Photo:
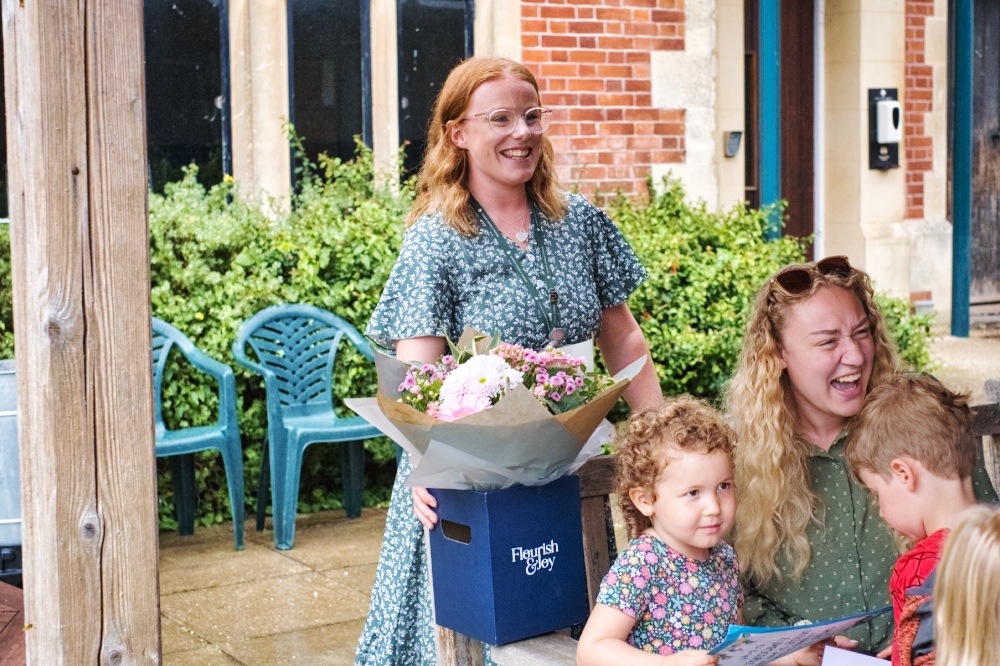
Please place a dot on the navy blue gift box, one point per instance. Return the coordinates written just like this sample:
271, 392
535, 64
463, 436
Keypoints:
508, 564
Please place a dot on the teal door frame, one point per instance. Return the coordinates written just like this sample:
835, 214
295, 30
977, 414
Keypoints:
769, 63
961, 176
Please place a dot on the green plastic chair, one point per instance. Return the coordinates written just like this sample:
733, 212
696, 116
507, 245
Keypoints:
295, 348
182, 444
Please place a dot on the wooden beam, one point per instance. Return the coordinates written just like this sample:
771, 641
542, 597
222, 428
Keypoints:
75, 95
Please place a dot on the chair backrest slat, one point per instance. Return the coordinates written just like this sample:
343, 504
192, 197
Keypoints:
299, 344
162, 344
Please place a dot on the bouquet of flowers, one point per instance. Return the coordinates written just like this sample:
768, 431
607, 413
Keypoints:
490, 415
465, 382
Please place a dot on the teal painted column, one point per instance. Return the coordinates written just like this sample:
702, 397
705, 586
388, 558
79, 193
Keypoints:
770, 109
961, 202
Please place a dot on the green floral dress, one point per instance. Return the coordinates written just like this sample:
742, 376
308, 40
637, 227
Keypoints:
441, 283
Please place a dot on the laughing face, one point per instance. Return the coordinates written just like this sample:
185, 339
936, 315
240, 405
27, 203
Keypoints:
497, 162
826, 348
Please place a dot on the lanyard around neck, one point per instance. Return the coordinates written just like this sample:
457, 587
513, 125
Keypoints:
549, 312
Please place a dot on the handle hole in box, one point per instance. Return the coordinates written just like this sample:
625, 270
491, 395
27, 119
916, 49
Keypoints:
456, 531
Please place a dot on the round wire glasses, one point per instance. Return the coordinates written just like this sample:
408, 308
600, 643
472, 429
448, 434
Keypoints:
503, 121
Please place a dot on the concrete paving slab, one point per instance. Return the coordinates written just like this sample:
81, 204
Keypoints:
176, 637
229, 614
211, 563
360, 578
209, 656
339, 544
329, 645
202, 535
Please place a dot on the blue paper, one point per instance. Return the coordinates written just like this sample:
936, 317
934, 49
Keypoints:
755, 646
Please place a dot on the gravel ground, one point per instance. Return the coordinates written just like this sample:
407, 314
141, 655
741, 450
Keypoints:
966, 363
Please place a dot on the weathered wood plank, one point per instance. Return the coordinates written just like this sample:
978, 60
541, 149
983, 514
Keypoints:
79, 237
595, 513
456, 649
541, 651
986, 424
119, 331
985, 419
597, 476
45, 99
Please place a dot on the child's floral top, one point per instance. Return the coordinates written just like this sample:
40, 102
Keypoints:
679, 603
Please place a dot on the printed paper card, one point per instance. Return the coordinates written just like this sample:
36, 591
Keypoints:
836, 657
756, 646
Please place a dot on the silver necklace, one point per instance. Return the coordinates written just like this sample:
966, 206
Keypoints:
522, 232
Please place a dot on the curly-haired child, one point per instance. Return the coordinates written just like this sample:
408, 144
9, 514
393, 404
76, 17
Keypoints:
673, 592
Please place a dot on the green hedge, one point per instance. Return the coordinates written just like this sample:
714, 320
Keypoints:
705, 269
217, 259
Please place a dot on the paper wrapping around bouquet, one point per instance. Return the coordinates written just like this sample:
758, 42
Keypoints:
516, 441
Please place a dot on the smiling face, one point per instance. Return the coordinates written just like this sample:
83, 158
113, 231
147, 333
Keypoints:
694, 504
495, 162
826, 348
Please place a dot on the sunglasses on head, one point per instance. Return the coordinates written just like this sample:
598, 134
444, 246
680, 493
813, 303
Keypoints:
796, 280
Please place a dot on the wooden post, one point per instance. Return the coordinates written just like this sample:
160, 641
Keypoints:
79, 234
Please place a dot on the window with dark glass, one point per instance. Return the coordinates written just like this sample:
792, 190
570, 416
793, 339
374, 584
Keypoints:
187, 94
433, 36
328, 55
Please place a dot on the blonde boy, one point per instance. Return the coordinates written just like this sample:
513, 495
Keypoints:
912, 447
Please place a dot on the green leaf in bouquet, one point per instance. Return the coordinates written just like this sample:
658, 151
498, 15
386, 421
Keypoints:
567, 403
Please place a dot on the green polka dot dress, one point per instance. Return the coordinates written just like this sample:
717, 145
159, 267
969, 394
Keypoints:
441, 283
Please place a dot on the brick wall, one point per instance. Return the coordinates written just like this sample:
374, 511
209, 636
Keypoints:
918, 101
592, 61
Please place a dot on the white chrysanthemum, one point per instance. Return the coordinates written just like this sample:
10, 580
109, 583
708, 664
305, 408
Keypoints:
484, 375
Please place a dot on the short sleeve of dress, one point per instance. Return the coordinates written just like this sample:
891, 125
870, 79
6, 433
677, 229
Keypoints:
624, 585
617, 269
732, 565
418, 298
